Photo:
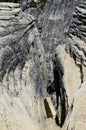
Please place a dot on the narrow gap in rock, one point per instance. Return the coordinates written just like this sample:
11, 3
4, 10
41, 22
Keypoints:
81, 71
61, 96
57, 89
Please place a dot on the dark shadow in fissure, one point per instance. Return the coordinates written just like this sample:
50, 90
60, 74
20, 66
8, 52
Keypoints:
58, 87
60, 91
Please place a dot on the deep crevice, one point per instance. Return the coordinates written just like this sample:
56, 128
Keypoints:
61, 95
57, 87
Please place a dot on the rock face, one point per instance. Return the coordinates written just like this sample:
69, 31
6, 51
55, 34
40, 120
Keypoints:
53, 23
30, 71
57, 16
72, 56
22, 70
77, 33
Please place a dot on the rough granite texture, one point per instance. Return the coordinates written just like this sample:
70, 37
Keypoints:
73, 58
27, 48
53, 24
22, 70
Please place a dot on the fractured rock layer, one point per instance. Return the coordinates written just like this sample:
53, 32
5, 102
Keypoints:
74, 60
25, 69
22, 70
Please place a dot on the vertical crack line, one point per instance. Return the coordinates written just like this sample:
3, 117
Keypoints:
61, 96
81, 72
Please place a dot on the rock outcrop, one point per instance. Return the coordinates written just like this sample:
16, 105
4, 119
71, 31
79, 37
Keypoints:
73, 58
53, 23
77, 34
22, 70
31, 72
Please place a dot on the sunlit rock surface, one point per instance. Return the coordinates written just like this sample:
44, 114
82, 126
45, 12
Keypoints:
27, 66
22, 71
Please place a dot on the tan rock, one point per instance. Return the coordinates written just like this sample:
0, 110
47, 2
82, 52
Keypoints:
71, 73
76, 91
77, 118
51, 125
50, 110
80, 125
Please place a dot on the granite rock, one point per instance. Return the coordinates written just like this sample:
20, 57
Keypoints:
30, 71
22, 71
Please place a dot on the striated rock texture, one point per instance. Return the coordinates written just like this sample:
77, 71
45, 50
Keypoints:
22, 71
73, 58
56, 18
30, 71
76, 48
53, 23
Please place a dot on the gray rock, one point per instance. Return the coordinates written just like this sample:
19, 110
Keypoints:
56, 18
73, 59
53, 23
28, 67
22, 69
9, 5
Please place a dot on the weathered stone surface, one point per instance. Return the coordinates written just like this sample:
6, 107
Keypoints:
77, 118
51, 125
57, 29
22, 71
27, 67
53, 23
69, 78
73, 58
56, 19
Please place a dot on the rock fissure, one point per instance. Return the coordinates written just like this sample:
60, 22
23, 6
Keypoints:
61, 95
58, 93
37, 91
